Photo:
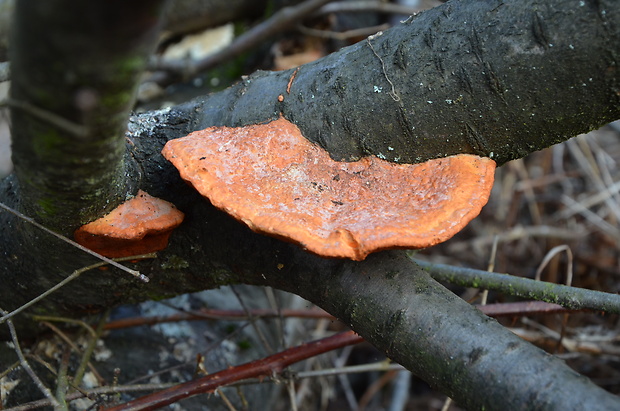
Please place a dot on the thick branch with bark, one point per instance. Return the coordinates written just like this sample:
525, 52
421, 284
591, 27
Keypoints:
438, 336
497, 79
75, 70
504, 96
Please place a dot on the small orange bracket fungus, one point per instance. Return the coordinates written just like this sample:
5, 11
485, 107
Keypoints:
138, 226
277, 182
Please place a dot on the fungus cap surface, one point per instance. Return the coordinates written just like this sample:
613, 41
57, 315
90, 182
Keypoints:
277, 182
138, 226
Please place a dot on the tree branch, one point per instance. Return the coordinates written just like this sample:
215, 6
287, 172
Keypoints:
397, 307
569, 297
487, 68
79, 63
280, 21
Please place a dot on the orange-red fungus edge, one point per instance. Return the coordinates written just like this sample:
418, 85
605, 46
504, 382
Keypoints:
277, 182
138, 226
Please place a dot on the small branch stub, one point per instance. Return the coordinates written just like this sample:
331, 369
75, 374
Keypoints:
279, 183
139, 226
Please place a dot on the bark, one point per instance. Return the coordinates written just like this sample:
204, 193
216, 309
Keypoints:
75, 72
418, 323
493, 93
6, 9
498, 79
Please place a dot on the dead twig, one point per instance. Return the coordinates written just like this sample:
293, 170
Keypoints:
214, 314
107, 260
569, 297
72, 277
26, 366
280, 21
265, 367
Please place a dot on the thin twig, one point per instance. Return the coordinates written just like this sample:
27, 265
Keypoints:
290, 388
253, 322
73, 346
581, 152
490, 268
261, 367
552, 253
492, 310
24, 363
519, 233
9, 369
522, 308
392, 93
94, 391
62, 384
274, 304
339, 362
90, 348
226, 401
53, 119
76, 245
62, 336
374, 388
128, 388
67, 280
569, 280
590, 201
400, 393
215, 314
365, 6
342, 35
384, 365
593, 218
280, 21
446, 404
67, 320
570, 297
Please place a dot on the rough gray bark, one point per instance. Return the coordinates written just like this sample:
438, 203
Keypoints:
80, 63
499, 79
438, 336
6, 9
390, 301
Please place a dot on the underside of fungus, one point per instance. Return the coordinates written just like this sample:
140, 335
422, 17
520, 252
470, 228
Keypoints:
139, 226
277, 182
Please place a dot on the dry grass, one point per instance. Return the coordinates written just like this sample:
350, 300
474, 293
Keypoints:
564, 197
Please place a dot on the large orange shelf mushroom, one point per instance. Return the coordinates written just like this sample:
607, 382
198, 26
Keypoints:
277, 182
138, 226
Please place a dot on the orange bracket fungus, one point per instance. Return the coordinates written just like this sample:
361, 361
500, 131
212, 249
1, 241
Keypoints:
138, 226
277, 182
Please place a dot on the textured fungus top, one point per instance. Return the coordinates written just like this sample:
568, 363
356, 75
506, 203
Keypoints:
277, 182
138, 226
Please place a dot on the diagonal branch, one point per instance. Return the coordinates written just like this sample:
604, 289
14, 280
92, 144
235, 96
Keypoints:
569, 297
265, 367
397, 307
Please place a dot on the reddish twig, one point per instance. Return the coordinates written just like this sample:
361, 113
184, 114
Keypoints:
492, 310
212, 314
265, 367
